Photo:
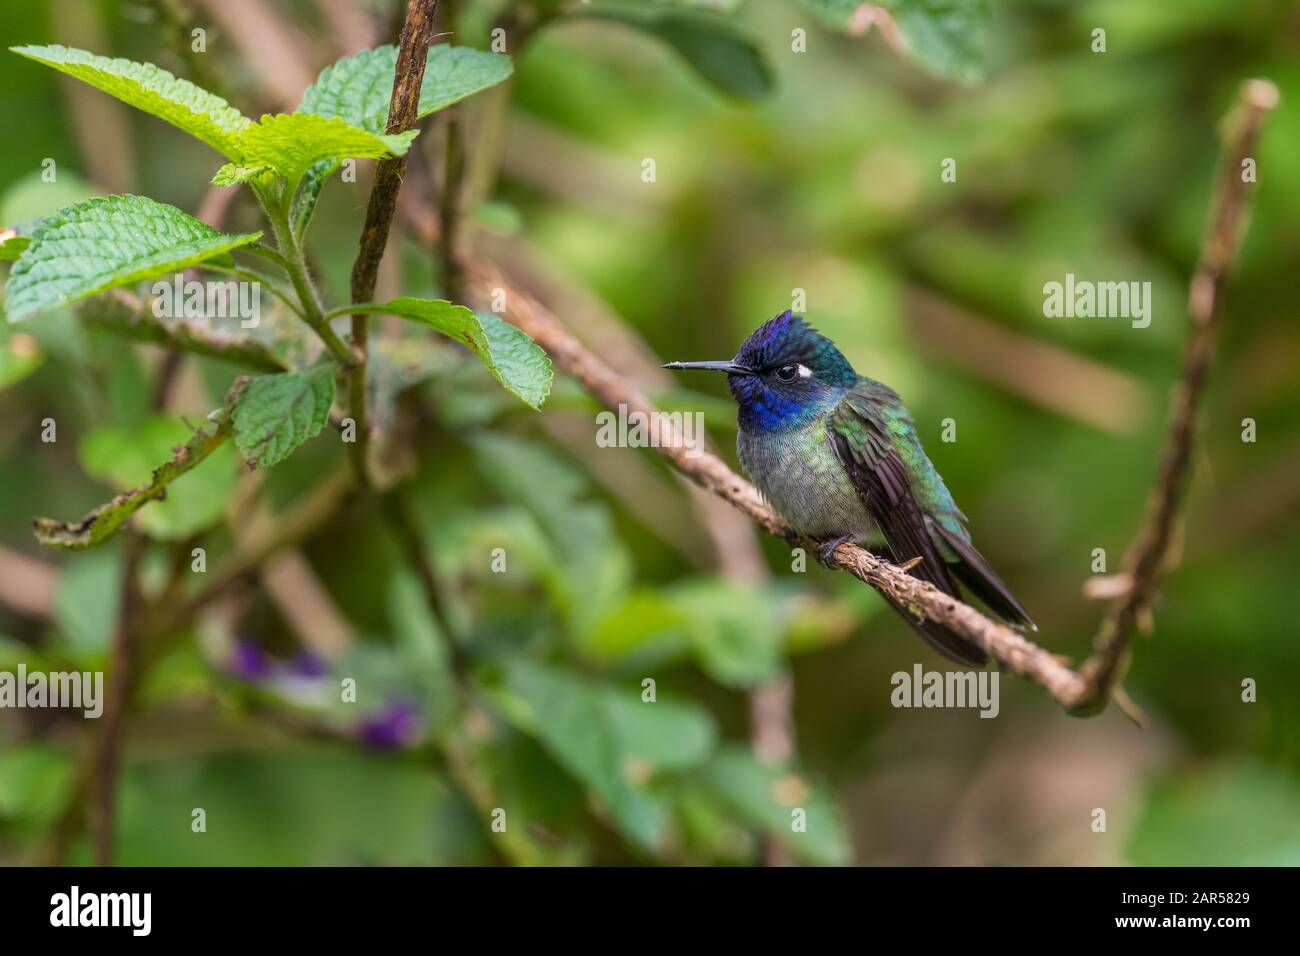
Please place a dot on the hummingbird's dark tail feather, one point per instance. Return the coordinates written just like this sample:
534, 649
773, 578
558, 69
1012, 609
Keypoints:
974, 572
949, 643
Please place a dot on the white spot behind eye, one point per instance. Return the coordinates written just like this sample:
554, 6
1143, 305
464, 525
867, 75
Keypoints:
804, 371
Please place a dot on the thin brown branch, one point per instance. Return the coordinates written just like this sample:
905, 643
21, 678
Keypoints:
1147, 556
122, 313
121, 673
412, 55
1084, 691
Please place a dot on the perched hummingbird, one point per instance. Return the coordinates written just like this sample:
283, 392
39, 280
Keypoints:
837, 455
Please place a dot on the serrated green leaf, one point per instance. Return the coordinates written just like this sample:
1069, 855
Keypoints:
313, 181
609, 738
767, 797
113, 241
275, 414
152, 89
358, 89
125, 457
720, 53
946, 37
232, 174
516, 360
289, 143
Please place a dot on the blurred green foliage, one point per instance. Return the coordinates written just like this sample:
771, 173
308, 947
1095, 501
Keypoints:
776, 170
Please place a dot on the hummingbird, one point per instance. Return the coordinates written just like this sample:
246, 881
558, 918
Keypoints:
837, 455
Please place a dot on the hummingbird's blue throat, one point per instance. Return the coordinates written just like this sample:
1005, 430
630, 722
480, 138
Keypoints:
765, 409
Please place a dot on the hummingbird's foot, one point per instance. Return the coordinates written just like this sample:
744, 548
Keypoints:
826, 550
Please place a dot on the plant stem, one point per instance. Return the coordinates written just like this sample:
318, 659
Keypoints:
289, 255
403, 107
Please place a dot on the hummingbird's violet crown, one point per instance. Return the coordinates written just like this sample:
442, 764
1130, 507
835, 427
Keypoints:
787, 338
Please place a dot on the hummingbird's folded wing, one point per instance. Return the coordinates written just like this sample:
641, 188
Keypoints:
860, 436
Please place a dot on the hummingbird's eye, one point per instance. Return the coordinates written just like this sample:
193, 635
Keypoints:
787, 373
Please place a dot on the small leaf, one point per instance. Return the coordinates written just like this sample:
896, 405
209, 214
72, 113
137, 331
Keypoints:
291, 142
97, 245
358, 89
609, 738
768, 797
152, 89
723, 56
735, 630
516, 360
275, 414
232, 174
946, 37
12, 246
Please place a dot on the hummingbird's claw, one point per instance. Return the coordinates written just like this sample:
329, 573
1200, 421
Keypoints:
826, 550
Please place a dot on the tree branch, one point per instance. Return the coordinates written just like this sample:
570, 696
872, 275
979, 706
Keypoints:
1085, 691
1146, 557
412, 55
122, 313
103, 522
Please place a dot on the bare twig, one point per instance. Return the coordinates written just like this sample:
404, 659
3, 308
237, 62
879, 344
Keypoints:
412, 55
121, 672
103, 522
453, 174
1146, 557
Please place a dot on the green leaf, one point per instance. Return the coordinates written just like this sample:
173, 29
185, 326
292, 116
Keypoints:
275, 414
946, 37
232, 174
117, 240
358, 89
87, 601
767, 797
34, 781
608, 738
13, 246
30, 199
154, 90
516, 360
102, 523
722, 55
291, 142
735, 630
126, 457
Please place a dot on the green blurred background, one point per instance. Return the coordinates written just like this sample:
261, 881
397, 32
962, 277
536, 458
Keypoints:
1068, 160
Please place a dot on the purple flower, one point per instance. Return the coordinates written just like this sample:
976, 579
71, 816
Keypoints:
248, 662
309, 665
395, 726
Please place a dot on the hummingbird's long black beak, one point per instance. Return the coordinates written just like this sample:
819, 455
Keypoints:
728, 366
